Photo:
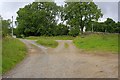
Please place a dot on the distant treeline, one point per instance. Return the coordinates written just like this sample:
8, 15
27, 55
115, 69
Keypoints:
109, 26
42, 18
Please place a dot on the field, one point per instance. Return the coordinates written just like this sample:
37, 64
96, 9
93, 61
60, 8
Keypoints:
98, 42
13, 52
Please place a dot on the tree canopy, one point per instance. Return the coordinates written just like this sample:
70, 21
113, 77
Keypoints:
38, 18
109, 26
79, 14
42, 18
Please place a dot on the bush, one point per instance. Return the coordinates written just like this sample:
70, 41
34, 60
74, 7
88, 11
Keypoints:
74, 31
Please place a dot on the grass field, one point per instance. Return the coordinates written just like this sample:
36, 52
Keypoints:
98, 42
52, 37
47, 42
13, 51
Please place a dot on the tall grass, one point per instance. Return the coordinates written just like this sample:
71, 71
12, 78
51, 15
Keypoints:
98, 42
13, 51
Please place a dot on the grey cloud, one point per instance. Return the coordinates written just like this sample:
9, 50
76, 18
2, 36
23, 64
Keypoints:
119, 11
109, 9
8, 9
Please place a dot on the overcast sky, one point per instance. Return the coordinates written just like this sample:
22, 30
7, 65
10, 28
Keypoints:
9, 9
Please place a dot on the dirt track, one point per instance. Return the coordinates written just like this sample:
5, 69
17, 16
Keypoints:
64, 62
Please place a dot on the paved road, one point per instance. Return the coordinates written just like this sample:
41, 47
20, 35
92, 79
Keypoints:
62, 62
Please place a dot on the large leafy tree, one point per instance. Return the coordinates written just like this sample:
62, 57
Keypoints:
38, 18
80, 14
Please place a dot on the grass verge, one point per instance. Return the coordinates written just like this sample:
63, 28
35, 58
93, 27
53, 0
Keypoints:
47, 42
51, 37
0, 57
98, 42
66, 45
13, 51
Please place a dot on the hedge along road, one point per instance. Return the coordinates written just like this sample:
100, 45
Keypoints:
61, 62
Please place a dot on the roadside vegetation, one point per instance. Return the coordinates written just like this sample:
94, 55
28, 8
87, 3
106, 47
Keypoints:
0, 56
47, 42
51, 37
13, 51
98, 42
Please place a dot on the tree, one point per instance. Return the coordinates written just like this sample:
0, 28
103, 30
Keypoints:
61, 29
99, 27
74, 31
117, 29
111, 25
38, 18
79, 14
5, 27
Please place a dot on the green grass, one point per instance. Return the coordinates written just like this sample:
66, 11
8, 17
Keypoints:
13, 51
98, 42
47, 42
93, 42
32, 38
0, 56
66, 45
51, 37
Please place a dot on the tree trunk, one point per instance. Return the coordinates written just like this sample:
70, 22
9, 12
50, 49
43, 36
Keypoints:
81, 26
81, 30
